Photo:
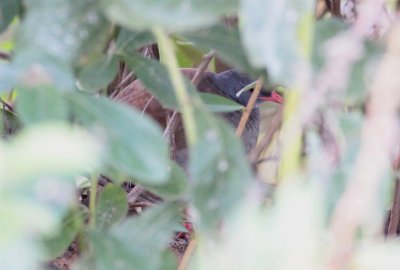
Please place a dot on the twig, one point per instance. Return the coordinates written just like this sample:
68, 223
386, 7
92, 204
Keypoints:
395, 211
321, 10
147, 104
125, 80
184, 100
141, 204
134, 194
92, 201
202, 67
267, 159
171, 125
6, 105
249, 108
5, 56
334, 7
186, 256
266, 140
5, 121
121, 86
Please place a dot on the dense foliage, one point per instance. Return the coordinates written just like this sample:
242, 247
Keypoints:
313, 194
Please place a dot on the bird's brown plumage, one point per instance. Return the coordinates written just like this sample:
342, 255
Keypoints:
136, 95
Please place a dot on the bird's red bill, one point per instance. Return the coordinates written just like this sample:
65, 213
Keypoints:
275, 97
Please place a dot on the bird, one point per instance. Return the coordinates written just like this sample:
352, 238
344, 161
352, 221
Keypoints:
227, 84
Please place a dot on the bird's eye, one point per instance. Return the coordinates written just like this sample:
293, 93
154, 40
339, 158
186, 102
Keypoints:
251, 90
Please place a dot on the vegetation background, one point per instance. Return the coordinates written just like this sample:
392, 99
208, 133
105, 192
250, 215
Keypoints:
318, 192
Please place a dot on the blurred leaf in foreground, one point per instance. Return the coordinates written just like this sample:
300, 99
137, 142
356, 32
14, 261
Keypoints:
9, 123
138, 242
37, 187
98, 74
286, 235
170, 14
226, 42
134, 142
41, 104
8, 9
53, 37
272, 32
56, 244
112, 206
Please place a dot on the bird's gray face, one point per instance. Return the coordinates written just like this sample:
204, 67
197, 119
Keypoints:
230, 82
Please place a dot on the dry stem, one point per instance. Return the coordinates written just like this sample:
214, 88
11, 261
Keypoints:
249, 108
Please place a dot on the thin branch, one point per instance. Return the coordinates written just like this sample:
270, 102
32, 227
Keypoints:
5, 56
141, 204
6, 105
249, 108
134, 194
321, 10
184, 100
125, 80
171, 125
267, 139
147, 104
267, 159
92, 201
186, 256
122, 85
334, 7
202, 67
395, 211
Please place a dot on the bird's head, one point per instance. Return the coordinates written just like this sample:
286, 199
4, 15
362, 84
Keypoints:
230, 82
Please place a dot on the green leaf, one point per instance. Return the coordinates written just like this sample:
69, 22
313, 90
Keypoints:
175, 186
50, 149
128, 41
219, 104
72, 224
155, 77
158, 222
54, 35
37, 188
9, 123
41, 104
135, 142
272, 31
98, 74
173, 15
8, 10
137, 243
188, 56
266, 231
219, 170
226, 42
112, 206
